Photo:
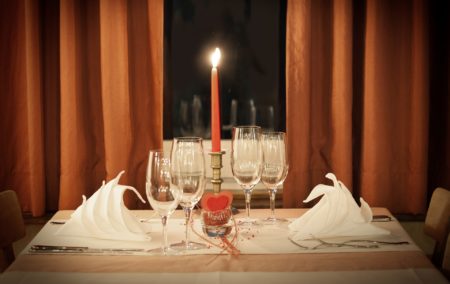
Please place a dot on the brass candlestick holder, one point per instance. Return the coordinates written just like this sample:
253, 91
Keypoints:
216, 165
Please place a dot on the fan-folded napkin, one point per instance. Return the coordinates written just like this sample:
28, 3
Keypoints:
335, 215
105, 216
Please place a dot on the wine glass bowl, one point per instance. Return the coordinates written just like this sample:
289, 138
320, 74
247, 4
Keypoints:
162, 195
275, 167
246, 161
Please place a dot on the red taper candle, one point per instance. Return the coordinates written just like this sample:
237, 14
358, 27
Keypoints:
215, 102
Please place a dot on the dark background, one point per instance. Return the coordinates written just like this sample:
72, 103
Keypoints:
251, 36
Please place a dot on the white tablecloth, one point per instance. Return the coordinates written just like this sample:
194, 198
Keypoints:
266, 257
266, 239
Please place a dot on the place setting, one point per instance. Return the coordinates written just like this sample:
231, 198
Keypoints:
336, 222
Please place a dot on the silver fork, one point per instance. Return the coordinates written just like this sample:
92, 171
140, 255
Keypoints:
324, 244
344, 244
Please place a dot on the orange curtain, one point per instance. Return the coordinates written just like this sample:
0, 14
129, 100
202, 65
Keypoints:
366, 98
357, 100
21, 123
100, 110
318, 95
395, 108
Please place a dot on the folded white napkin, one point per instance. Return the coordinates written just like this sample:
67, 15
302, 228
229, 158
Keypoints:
104, 215
335, 215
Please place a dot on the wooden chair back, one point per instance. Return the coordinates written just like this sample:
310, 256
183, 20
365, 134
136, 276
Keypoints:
12, 227
437, 222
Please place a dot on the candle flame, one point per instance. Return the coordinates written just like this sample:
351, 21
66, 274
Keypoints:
215, 57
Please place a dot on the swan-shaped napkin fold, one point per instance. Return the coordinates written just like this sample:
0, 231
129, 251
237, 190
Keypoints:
105, 216
335, 215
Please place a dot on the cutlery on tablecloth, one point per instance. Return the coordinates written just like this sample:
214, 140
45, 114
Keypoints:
76, 249
148, 220
350, 243
344, 244
322, 244
378, 242
382, 218
57, 222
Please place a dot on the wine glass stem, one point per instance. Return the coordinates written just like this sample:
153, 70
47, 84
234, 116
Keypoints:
164, 231
248, 198
188, 216
272, 193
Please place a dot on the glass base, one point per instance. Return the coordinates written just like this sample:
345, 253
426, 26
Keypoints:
190, 246
160, 251
217, 231
249, 222
274, 221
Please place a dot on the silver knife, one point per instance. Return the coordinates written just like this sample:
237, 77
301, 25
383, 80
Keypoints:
76, 249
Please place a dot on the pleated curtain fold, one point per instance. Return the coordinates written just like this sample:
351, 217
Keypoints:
99, 110
357, 100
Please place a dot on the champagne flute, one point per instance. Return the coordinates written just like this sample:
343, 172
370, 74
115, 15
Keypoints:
161, 194
188, 173
246, 162
275, 167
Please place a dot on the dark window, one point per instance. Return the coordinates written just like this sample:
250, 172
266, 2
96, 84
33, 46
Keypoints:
251, 36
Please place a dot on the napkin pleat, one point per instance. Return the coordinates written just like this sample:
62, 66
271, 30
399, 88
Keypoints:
366, 213
105, 216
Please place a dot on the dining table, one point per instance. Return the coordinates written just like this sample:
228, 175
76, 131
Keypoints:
264, 253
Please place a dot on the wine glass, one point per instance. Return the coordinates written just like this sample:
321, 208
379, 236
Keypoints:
246, 162
188, 173
275, 167
161, 194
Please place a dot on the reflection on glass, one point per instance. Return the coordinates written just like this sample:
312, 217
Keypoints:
162, 195
246, 162
275, 167
188, 173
